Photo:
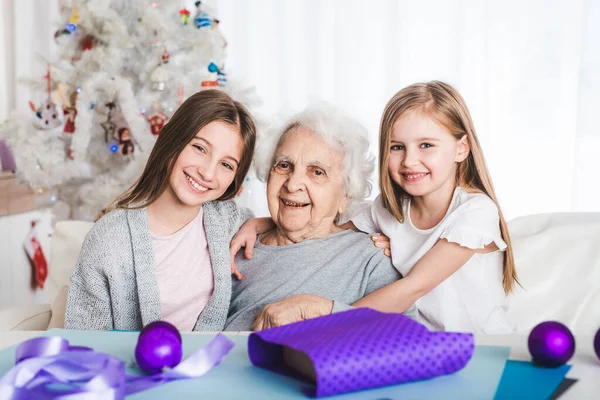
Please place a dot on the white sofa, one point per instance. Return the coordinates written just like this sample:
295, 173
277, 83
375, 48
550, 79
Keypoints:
557, 258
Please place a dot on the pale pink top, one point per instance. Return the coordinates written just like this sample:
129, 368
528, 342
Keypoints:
184, 274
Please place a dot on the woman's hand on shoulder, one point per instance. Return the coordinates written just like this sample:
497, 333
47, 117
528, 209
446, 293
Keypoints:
292, 309
383, 242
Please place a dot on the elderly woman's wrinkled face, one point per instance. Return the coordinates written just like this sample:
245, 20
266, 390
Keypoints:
305, 190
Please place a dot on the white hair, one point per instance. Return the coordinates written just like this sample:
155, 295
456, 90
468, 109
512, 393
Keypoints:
339, 131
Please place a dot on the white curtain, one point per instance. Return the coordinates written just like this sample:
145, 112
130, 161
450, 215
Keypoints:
26, 39
529, 71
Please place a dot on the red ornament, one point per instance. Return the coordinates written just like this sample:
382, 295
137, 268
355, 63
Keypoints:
36, 256
70, 114
157, 121
87, 43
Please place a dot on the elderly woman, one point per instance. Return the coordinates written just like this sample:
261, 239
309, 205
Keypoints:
316, 168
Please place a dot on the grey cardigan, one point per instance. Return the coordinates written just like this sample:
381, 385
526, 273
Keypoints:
114, 285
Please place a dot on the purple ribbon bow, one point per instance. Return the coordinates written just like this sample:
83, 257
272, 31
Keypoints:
49, 368
360, 349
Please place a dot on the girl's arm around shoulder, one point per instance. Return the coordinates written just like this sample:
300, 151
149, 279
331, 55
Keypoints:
433, 268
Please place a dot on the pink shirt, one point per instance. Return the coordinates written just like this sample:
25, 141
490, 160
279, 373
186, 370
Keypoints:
184, 274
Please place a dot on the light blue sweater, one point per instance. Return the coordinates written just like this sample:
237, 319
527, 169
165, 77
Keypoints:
114, 285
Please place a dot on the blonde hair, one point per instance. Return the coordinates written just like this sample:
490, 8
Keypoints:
445, 105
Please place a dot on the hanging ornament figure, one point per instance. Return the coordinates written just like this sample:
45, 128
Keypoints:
202, 19
70, 114
48, 113
123, 136
159, 77
184, 13
157, 121
165, 56
74, 18
109, 124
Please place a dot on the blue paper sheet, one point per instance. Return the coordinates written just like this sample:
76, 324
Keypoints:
236, 378
523, 380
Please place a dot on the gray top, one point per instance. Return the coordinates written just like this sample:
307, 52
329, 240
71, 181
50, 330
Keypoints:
114, 286
343, 267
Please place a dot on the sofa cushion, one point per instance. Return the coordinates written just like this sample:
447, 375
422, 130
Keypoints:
557, 257
33, 317
67, 240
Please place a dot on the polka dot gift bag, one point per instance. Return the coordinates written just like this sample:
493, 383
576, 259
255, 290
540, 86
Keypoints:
359, 349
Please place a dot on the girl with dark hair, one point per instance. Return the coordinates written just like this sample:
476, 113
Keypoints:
162, 252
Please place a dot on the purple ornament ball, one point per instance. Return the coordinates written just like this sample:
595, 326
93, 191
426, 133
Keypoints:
158, 347
551, 344
162, 325
597, 343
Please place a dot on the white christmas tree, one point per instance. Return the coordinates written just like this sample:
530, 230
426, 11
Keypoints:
122, 68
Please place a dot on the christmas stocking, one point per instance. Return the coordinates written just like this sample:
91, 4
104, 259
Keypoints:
36, 256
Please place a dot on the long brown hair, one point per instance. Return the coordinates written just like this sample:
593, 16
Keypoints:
195, 113
444, 104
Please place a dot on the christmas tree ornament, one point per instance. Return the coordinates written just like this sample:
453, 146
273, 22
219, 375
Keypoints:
87, 43
165, 56
109, 125
184, 13
222, 76
212, 67
48, 113
61, 32
157, 121
597, 343
551, 344
124, 140
68, 104
74, 18
158, 347
59, 95
36, 256
202, 19
70, 112
211, 80
159, 77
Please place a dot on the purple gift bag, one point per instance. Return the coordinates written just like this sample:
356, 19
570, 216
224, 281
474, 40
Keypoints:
360, 349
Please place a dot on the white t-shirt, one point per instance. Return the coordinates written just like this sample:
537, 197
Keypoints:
470, 300
184, 274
